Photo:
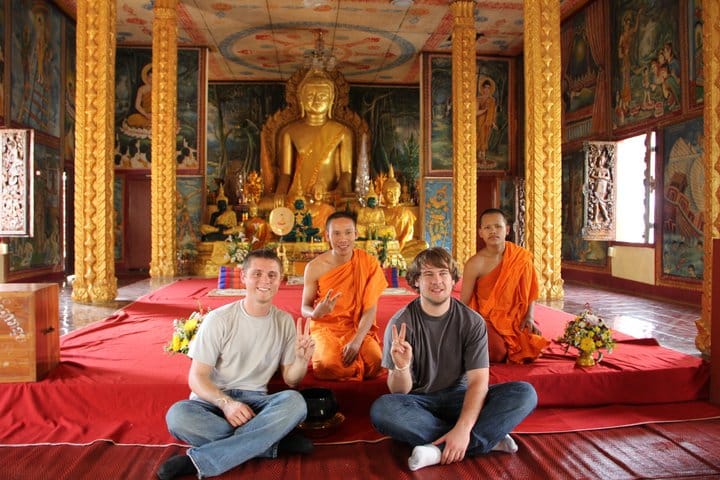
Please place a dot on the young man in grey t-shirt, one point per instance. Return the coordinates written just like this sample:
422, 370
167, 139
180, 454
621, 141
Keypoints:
440, 400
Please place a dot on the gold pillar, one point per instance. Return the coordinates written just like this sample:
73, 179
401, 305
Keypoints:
95, 280
543, 164
164, 119
464, 106
711, 155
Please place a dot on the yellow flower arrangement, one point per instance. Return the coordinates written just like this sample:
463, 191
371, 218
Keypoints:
184, 330
588, 333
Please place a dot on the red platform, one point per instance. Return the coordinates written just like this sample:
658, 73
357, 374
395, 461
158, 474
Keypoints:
115, 382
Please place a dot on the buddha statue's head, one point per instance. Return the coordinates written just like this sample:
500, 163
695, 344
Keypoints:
391, 189
372, 201
316, 93
299, 203
221, 199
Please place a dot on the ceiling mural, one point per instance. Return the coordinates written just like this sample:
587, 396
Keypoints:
372, 41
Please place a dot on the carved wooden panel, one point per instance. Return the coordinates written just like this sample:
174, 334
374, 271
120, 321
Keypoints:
600, 191
16, 183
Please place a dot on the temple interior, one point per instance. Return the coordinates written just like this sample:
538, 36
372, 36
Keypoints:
144, 142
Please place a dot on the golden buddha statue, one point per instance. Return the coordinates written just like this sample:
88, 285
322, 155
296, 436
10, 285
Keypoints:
400, 217
223, 222
319, 209
257, 229
315, 140
315, 149
371, 222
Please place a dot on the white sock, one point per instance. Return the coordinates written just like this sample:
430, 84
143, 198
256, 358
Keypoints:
424, 456
506, 444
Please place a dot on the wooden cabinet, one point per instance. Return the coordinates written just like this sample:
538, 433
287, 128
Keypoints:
29, 336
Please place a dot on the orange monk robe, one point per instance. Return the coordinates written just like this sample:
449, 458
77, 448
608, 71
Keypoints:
503, 296
361, 281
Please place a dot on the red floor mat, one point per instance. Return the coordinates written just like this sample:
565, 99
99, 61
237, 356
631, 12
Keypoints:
115, 381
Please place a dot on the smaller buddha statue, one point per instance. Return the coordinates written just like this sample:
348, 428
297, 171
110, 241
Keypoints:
371, 222
223, 222
400, 217
257, 229
319, 209
303, 230
405, 198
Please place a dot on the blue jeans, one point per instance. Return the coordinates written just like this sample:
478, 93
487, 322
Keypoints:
217, 446
419, 419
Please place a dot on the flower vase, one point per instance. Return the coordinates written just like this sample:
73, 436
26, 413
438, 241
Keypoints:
585, 359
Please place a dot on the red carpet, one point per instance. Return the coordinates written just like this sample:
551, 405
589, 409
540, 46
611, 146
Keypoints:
115, 382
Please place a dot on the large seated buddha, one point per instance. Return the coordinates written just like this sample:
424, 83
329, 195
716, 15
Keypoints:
316, 142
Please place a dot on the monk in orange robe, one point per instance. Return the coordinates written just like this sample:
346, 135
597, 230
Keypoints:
500, 283
342, 288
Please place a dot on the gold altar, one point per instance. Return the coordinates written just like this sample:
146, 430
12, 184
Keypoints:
213, 255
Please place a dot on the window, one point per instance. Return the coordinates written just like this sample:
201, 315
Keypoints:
635, 207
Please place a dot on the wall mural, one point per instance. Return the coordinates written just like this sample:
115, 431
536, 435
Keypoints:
3, 56
695, 56
580, 68
68, 143
683, 200
35, 73
119, 223
438, 195
189, 214
646, 66
393, 116
133, 103
574, 247
44, 248
236, 114
492, 116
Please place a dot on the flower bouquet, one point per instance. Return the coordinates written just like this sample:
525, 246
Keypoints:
184, 330
588, 333
237, 248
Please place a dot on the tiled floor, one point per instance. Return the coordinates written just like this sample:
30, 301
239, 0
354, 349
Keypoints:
672, 325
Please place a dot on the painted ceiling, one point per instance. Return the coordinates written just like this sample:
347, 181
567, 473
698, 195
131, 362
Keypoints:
373, 41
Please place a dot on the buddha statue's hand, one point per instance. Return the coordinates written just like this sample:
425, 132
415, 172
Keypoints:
279, 200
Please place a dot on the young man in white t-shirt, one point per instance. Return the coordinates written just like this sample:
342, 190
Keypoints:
230, 418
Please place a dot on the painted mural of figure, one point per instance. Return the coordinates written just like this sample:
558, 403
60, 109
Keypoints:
625, 46
138, 124
486, 115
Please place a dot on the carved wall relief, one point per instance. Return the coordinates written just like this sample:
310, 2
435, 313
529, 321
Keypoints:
600, 191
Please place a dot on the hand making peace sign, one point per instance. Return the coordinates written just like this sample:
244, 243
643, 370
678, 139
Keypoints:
400, 350
327, 304
304, 343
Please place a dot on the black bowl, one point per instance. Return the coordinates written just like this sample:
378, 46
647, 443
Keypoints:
321, 404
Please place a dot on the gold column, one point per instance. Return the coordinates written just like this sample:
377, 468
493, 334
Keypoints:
464, 138
543, 167
711, 154
164, 118
95, 280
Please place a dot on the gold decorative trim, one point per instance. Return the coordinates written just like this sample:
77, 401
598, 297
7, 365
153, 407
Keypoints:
464, 135
164, 120
711, 154
543, 167
95, 280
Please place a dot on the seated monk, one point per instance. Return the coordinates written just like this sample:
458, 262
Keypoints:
223, 222
401, 218
319, 209
500, 283
371, 222
315, 149
342, 288
257, 229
